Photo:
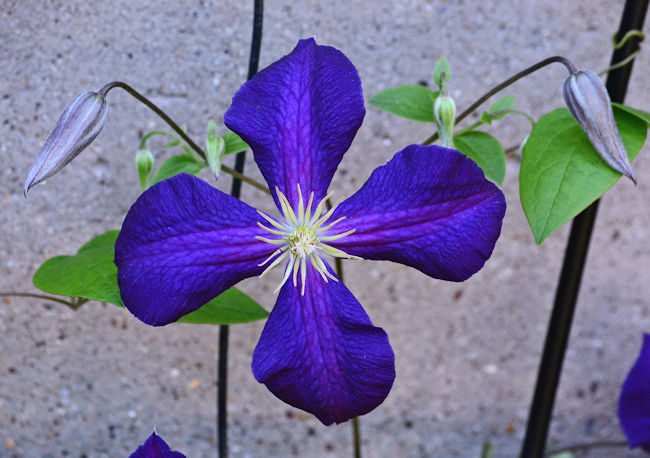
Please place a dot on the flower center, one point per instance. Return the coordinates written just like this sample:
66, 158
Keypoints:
302, 235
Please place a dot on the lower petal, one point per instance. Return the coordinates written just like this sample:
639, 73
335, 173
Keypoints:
183, 243
320, 352
430, 208
634, 403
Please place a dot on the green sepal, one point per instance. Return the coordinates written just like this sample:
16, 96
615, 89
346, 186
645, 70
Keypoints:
561, 173
411, 102
442, 73
91, 274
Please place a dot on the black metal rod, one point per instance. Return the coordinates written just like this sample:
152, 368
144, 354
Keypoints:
222, 370
575, 255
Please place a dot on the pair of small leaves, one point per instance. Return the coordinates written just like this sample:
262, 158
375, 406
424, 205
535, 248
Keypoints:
561, 173
190, 163
91, 274
416, 103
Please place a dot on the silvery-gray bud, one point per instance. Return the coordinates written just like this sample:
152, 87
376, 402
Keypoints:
588, 100
79, 124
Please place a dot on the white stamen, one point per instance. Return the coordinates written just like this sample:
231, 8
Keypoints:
301, 237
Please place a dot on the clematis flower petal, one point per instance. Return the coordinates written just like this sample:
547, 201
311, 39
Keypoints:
183, 243
430, 208
155, 447
320, 352
634, 403
299, 115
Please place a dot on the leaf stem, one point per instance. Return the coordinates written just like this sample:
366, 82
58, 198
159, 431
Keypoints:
74, 305
153, 107
499, 87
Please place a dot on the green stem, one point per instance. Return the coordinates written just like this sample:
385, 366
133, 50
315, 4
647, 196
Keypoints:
104, 91
73, 305
143, 142
585, 446
499, 87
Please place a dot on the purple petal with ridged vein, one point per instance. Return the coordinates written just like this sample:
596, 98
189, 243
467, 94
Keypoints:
155, 447
430, 208
634, 403
320, 352
183, 243
299, 115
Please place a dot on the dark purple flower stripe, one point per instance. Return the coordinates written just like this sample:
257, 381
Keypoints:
430, 208
634, 403
183, 243
320, 352
155, 447
299, 115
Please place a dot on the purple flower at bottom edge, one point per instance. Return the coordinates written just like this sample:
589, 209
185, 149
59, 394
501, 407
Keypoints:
155, 447
184, 242
634, 403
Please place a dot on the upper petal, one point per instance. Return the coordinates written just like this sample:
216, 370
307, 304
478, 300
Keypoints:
320, 352
430, 208
183, 243
299, 115
634, 403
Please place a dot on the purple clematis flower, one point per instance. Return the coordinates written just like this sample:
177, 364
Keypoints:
155, 447
184, 242
634, 403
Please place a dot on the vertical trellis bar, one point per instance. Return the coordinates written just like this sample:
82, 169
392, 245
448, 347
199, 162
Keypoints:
574, 260
222, 375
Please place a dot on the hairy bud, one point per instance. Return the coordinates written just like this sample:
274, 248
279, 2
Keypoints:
79, 124
444, 111
588, 101
144, 162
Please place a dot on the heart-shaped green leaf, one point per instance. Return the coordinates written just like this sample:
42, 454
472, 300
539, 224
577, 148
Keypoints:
410, 102
486, 151
91, 274
561, 173
181, 163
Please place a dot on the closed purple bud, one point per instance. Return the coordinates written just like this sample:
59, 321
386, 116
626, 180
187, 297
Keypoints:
79, 124
589, 103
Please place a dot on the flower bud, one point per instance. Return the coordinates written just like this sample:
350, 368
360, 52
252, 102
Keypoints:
444, 111
144, 161
215, 147
589, 103
79, 124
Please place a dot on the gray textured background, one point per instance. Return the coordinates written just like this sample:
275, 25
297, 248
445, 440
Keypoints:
95, 382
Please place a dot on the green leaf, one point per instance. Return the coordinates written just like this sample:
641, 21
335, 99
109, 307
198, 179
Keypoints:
638, 113
182, 163
230, 307
486, 151
503, 104
410, 102
234, 144
561, 173
91, 274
